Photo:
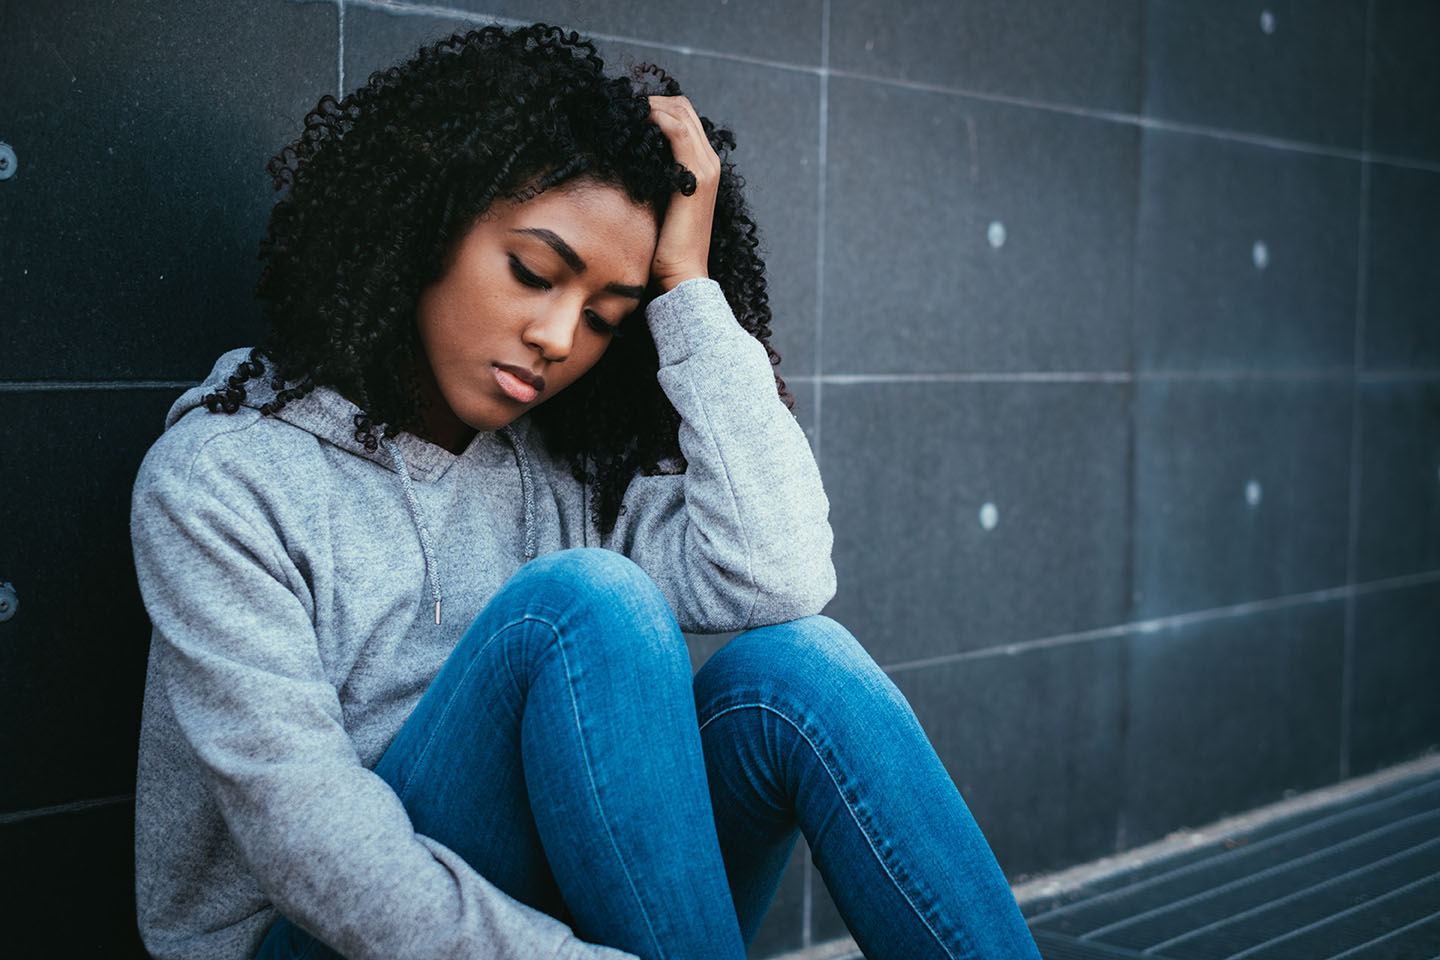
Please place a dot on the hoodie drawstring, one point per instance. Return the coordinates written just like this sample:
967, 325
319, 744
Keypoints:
527, 492
427, 547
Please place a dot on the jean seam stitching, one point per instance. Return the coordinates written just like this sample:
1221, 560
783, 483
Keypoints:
442, 720
920, 914
594, 791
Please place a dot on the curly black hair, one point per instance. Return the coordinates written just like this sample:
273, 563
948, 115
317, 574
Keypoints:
381, 185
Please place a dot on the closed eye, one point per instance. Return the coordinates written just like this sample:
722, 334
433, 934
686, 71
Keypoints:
526, 276
599, 324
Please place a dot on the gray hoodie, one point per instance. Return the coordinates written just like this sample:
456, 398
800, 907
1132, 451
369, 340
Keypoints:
293, 581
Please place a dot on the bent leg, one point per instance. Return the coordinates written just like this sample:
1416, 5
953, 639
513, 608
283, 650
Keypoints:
802, 729
558, 752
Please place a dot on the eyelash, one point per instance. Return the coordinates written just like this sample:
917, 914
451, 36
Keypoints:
525, 276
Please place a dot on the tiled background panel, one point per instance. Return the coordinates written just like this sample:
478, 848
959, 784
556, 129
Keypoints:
1395, 714
1030, 740
72, 659
773, 112
909, 468
1086, 53
1241, 491
69, 885
1214, 64
378, 39
1230, 714
1399, 523
1402, 268
1202, 298
1405, 79
141, 190
913, 281
786, 32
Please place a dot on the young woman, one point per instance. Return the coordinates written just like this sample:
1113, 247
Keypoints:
418, 567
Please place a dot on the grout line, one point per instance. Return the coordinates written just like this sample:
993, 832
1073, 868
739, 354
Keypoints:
470, 16
404, 7
1357, 472
1323, 374
1120, 823
807, 901
22, 386
1158, 624
849, 379
821, 171
340, 58
18, 816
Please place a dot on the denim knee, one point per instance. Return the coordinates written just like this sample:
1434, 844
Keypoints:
810, 662
603, 600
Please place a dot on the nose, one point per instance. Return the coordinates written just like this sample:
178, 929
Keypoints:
553, 333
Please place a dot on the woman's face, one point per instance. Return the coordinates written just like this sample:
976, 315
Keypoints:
527, 303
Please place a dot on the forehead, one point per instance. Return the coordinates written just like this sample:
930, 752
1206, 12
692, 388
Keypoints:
585, 209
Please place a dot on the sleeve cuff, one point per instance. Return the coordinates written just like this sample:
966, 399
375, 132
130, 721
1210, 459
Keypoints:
690, 317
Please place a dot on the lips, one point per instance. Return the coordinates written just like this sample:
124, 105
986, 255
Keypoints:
517, 383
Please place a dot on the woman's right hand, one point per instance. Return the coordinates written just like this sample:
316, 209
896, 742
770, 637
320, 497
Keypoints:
683, 250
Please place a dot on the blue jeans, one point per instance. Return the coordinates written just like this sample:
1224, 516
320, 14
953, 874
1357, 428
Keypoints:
566, 752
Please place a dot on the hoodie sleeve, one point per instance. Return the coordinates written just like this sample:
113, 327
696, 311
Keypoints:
742, 537
236, 656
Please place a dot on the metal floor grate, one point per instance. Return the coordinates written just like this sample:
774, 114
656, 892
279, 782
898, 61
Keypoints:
1358, 880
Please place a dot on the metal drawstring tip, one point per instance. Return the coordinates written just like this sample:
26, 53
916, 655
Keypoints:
437, 613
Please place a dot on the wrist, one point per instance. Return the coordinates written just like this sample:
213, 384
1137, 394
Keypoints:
671, 281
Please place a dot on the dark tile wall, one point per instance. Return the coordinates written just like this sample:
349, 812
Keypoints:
1114, 324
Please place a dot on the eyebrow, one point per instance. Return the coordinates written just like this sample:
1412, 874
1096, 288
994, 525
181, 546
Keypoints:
572, 259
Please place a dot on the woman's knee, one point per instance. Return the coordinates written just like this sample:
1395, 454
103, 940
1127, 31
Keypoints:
813, 660
598, 601
590, 575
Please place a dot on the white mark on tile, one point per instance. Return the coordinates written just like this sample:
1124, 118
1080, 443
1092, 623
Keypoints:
1260, 255
989, 516
869, 44
995, 233
1253, 493
1267, 22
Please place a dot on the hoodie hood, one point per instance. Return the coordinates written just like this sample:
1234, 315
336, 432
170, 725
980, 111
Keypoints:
330, 417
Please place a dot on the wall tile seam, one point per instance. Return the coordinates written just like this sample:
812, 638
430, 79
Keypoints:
1398, 375
822, 156
1146, 122
340, 55
1120, 376
821, 186
479, 18
824, 69
1357, 420
1157, 625
51, 386
60, 809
